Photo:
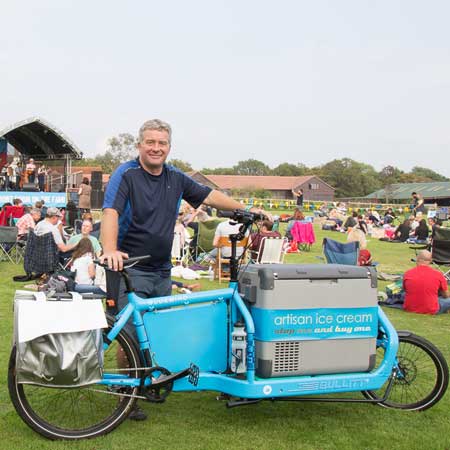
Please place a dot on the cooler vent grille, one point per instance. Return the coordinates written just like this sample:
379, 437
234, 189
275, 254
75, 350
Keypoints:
287, 357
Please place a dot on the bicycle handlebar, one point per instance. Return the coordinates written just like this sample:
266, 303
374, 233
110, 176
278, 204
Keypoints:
126, 262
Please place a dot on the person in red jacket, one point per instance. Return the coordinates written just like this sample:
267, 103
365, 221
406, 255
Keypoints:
426, 289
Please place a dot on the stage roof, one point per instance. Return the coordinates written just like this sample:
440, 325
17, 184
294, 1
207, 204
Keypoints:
36, 138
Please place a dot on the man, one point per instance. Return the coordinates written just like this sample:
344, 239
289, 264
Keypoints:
224, 229
423, 285
27, 222
417, 203
49, 225
86, 229
299, 195
30, 169
140, 210
256, 238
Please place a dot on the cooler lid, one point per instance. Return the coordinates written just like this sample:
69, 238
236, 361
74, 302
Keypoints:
269, 273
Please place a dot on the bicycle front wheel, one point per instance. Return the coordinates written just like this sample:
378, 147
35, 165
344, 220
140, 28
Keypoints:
78, 413
422, 378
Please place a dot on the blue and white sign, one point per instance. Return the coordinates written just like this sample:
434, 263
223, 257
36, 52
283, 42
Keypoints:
316, 323
58, 199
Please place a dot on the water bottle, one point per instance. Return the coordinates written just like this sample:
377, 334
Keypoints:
239, 348
211, 273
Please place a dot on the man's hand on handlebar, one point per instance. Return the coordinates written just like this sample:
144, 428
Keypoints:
114, 259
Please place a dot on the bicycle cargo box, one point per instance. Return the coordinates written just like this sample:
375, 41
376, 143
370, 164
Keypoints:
312, 319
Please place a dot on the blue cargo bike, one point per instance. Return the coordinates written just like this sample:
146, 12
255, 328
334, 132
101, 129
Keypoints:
278, 332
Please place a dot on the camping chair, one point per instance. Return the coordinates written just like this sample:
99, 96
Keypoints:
205, 237
440, 250
222, 265
271, 250
41, 254
9, 247
341, 253
303, 234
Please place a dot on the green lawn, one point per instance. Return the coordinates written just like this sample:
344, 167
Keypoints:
198, 421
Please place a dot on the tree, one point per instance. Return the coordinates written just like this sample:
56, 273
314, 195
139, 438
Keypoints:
218, 171
182, 165
122, 147
428, 174
350, 178
290, 170
389, 175
251, 167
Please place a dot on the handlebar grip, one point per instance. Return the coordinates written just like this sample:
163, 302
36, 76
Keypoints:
126, 261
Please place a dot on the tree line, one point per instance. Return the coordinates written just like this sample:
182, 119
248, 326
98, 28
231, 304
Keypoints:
350, 178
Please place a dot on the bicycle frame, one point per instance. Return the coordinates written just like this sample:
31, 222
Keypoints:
251, 387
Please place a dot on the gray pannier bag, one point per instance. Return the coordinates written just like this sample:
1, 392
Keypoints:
59, 343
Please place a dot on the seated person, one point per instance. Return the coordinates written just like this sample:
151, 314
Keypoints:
434, 223
374, 217
401, 233
420, 233
86, 229
298, 216
225, 228
83, 266
351, 221
389, 216
362, 225
357, 235
256, 238
27, 222
426, 289
49, 225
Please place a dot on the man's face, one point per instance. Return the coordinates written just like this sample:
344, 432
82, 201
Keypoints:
86, 227
36, 216
153, 150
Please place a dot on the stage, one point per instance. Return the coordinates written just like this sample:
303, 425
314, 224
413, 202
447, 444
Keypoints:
58, 199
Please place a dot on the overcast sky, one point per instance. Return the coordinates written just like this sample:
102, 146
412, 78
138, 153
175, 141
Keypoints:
287, 81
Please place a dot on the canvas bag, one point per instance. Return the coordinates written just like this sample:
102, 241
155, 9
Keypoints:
58, 343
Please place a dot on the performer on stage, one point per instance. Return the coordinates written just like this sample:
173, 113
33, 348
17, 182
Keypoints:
41, 175
31, 170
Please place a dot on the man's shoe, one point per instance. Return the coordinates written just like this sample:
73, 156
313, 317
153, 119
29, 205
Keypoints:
137, 414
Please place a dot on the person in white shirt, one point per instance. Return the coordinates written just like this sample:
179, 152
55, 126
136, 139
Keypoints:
84, 268
49, 225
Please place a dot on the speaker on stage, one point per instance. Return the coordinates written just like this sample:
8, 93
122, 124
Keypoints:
29, 187
97, 180
97, 197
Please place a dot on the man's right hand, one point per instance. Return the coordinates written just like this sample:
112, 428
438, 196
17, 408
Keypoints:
114, 259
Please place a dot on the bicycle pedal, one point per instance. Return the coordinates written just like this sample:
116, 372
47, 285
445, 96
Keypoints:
194, 373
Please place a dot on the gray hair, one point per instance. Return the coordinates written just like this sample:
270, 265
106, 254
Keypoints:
35, 211
154, 124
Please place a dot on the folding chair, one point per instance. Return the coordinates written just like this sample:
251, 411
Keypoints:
271, 250
9, 249
341, 253
41, 254
222, 266
303, 234
440, 250
205, 236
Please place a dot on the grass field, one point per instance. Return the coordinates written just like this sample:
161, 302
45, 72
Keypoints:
198, 421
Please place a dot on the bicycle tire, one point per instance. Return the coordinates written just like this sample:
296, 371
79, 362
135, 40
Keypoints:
76, 413
415, 355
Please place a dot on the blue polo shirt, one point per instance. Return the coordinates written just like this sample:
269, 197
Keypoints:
148, 208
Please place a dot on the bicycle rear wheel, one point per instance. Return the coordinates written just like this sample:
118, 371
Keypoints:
78, 413
422, 379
